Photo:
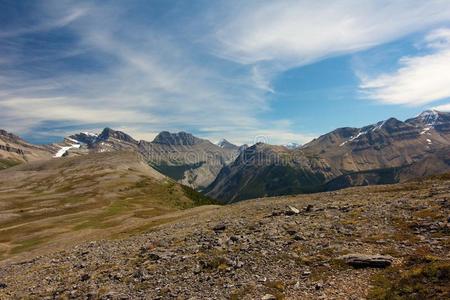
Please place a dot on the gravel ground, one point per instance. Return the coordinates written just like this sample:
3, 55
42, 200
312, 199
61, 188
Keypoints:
273, 248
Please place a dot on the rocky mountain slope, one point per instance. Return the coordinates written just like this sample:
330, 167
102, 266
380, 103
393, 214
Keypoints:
223, 143
14, 150
376, 242
45, 205
190, 160
387, 152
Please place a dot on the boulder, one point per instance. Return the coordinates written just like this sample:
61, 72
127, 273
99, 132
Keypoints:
367, 261
292, 210
219, 227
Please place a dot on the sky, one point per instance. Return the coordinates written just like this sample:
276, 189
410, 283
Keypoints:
271, 71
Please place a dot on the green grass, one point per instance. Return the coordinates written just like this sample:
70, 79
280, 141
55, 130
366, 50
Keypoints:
102, 201
198, 198
420, 278
8, 163
28, 244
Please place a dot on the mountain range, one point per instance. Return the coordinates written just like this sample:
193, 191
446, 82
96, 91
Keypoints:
105, 216
389, 151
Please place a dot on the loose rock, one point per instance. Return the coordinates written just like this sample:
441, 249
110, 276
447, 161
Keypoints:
219, 227
292, 210
367, 261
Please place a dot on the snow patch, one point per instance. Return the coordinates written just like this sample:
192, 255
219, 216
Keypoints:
351, 139
64, 149
73, 140
378, 126
292, 145
90, 134
425, 130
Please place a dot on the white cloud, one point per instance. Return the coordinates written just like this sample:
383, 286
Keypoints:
58, 108
443, 107
153, 79
419, 79
292, 33
153, 82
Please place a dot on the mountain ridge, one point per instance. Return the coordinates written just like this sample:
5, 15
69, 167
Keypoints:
200, 164
269, 171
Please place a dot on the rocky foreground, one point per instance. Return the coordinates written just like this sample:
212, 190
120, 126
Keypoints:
376, 242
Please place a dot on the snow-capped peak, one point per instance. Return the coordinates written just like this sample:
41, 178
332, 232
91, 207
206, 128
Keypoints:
90, 134
292, 145
222, 142
429, 117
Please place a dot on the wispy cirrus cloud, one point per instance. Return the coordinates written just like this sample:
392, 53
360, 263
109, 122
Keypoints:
146, 80
207, 69
291, 33
419, 79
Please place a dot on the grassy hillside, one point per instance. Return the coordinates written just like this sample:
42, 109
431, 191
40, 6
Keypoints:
62, 201
7, 163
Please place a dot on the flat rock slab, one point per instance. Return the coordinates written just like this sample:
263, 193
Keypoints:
367, 261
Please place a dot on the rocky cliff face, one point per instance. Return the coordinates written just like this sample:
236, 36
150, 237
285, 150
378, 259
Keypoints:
190, 160
378, 153
177, 139
223, 143
14, 150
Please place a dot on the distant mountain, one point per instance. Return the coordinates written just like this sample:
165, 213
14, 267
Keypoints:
177, 139
242, 148
190, 160
386, 152
109, 134
292, 145
223, 143
182, 156
14, 150
84, 137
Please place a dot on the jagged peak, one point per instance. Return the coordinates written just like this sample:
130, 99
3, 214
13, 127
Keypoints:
223, 143
9, 135
111, 133
292, 145
429, 112
430, 117
180, 138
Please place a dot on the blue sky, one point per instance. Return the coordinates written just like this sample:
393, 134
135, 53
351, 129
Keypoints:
280, 71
